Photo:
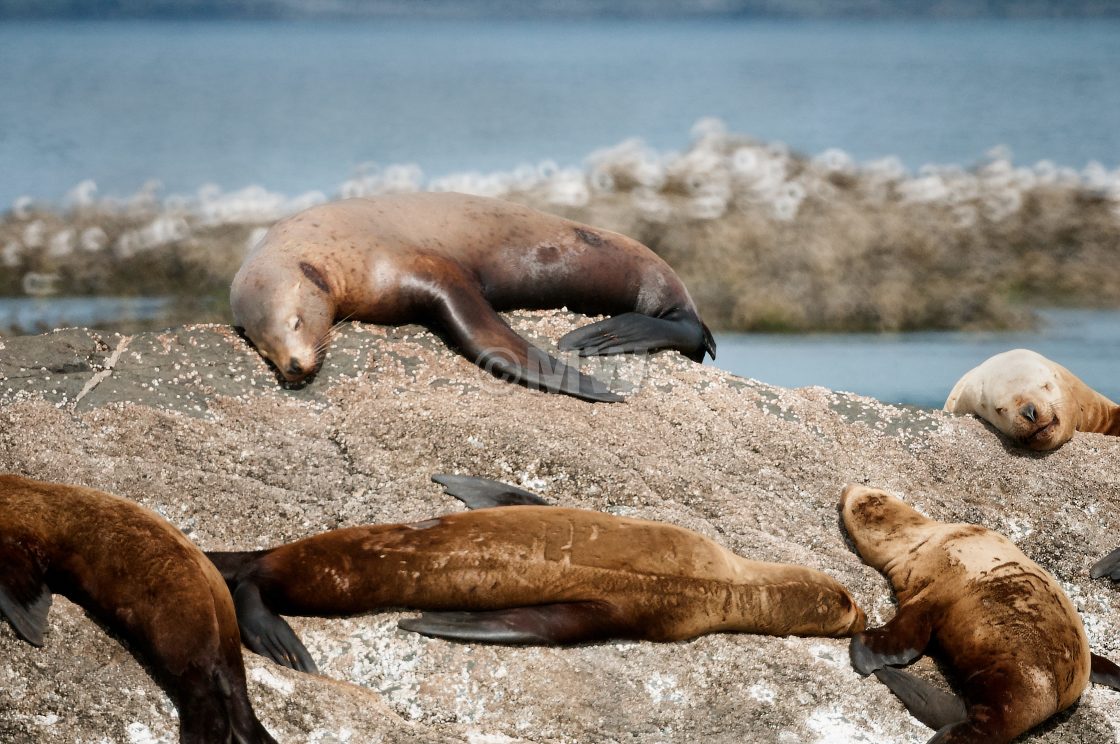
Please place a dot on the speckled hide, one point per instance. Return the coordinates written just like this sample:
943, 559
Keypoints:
193, 424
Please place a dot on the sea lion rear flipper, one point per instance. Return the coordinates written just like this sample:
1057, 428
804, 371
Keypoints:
932, 706
897, 643
25, 598
549, 624
1108, 566
476, 329
1104, 672
29, 617
482, 493
266, 633
634, 332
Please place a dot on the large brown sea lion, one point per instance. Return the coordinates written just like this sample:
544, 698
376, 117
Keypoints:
451, 262
141, 577
1012, 639
1035, 401
526, 573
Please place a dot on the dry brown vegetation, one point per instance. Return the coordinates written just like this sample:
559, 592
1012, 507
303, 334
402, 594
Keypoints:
765, 240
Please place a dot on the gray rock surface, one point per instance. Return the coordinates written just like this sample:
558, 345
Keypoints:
193, 424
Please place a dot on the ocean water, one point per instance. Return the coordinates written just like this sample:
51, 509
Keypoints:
296, 107
921, 368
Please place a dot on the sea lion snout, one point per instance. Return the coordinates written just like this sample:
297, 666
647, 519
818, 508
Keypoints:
849, 488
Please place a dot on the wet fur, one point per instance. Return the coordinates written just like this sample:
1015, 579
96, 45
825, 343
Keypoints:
1013, 640
180, 617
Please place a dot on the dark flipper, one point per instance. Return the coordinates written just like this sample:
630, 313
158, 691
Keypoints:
214, 707
932, 706
482, 493
897, 643
1108, 566
549, 624
28, 617
231, 564
1105, 672
266, 633
634, 332
24, 596
473, 326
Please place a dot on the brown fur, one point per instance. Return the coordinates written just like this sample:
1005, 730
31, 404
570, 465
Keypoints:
1013, 640
448, 261
657, 581
140, 576
1002, 388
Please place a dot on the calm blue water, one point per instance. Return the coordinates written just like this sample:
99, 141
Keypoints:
38, 314
295, 107
921, 368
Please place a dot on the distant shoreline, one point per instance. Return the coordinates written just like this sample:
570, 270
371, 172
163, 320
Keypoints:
544, 9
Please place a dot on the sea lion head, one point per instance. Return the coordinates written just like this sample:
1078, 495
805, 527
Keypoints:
834, 613
1021, 393
286, 314
882, 527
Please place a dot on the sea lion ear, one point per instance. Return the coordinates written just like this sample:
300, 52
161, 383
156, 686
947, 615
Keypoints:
315, 276
962, 398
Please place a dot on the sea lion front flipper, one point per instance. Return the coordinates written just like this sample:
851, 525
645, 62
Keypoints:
29, 617
634, 332
932, 706
1108, 566
475, 329
25, 598
483, 493
897, 643
548, 624
266, 633
1104, 672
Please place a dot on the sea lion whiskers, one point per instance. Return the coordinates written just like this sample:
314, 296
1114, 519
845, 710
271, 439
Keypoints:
452, 262
329, 336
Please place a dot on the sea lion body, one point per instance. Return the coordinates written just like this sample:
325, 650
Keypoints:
140, 576
451, 261
1034, 400
1011, 636
592, 575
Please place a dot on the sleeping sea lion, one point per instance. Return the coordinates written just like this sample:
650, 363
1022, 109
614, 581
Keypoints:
142, 578
451, 262
1035, 401
1011, 638
519, 572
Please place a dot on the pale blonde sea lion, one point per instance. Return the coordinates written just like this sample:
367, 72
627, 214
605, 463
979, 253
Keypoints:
142, 578
1035, 401
525, 573
451, 262
1014, 642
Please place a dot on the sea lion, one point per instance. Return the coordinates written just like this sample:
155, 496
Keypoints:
1011, 637
451, 262
1034, 400
525, 573
142, 578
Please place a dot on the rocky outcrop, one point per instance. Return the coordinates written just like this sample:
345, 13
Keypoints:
192, 423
